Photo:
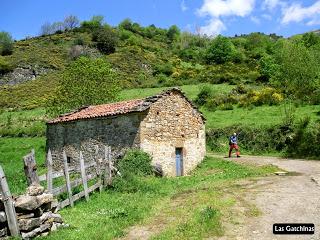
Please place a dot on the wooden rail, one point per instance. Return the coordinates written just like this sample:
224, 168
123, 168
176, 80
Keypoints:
102, 173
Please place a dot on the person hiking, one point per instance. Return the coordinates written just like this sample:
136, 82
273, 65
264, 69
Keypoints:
233, 144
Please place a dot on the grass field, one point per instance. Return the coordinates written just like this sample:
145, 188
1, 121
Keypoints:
189, 207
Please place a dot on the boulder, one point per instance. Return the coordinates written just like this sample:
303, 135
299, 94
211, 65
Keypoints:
44, 198
35, 189
26, 202
29, 224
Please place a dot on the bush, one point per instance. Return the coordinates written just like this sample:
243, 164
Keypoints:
220, 50
135, 162
5, 66
135, 165
204, 95
268, 95
106, 40
166, 69
6, 44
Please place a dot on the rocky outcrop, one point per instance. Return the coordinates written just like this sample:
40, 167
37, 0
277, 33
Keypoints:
23, 74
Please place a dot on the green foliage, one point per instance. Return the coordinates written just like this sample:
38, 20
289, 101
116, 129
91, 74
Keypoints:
134, 165
6, 43
299, 71
94, 24
267, 95
5, 66
106, 40
310, 39
85, 82
135, 162
165, 68
220, 50
268, 68
173, 33
204, 95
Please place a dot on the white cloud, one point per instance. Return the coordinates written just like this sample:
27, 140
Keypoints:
272, 4
216, 9
266, 16
298, 13
255, 19
183, 6
213, 28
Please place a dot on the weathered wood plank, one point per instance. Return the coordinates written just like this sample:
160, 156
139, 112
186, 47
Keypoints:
66, 174
84, 176
98, 169
8, 205
58, 190
77, 196
50, 171
108, 166
30, 168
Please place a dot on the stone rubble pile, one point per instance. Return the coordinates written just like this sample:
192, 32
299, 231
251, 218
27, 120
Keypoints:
37, 212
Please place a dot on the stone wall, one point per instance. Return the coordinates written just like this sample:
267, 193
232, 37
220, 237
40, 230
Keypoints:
173, 123
119, 132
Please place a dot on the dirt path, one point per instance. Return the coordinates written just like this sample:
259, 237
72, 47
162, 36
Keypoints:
294, 198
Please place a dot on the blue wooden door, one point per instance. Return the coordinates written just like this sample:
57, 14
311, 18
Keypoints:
179, 162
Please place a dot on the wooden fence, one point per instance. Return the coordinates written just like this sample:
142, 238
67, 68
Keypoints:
101, 173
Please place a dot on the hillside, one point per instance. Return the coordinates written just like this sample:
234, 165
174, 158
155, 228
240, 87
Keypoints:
143, 57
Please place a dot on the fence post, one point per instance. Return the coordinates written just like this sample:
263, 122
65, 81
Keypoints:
84, 177
67, 177
30, 168
9, 205
108, 165
98, 169
49, 173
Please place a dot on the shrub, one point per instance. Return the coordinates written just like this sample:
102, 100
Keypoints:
165, 68
220, 50
135, 162
6, 44
106, 40
135, 165
5, 66
204, 95
267, 95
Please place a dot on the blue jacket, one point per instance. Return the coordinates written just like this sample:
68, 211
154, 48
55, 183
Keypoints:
233, 140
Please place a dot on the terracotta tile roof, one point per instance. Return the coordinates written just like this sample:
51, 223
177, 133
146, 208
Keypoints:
101, 111
104, 110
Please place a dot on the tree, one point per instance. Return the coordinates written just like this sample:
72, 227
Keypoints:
126, 24
71, 22
85, 82
299, 71
173, 33
106, 40
220, 50
6, 43
94, 24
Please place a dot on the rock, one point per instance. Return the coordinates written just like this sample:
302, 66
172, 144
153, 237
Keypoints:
3, 232
3, 217
26, 202
54, 205
44, 234
54, 227
35, 232
35, 190
51, 217
28, 224
44, 198
25, 216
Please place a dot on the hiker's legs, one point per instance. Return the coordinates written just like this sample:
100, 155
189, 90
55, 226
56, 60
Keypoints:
237, 150
230, 150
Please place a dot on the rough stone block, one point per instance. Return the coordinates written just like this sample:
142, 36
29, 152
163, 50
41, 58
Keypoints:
28, 224
3, 217
26, 202
35, 190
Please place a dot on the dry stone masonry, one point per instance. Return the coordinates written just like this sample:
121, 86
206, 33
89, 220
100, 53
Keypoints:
37, 212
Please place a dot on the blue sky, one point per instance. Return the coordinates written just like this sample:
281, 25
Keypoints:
24, 17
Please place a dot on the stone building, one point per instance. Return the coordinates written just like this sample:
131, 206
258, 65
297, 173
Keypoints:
167, 126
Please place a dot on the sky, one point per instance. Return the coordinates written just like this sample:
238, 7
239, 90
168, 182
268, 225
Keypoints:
24, 18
